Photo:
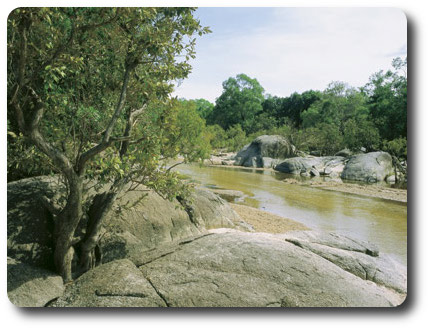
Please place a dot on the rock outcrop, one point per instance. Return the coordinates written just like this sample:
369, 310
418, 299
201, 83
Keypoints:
344, 153
162, 253
265, 151
234, 269
29, 286
356, 257
151, 222
228, 195
212, 211
115, 284
29, 224
221, 158
314, 166
370, 167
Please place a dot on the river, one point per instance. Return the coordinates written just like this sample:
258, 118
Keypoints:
379, 221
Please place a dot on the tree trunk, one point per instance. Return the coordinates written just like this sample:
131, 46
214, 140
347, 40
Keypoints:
90, 252
65, 227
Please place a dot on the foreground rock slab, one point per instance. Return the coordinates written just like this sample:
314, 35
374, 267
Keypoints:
229, 268
115, 284
258, 270
30, 286
359, 258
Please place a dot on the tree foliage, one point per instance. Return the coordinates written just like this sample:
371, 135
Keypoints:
239, 103
397, 147
387, 100
216, 136
288, 110
204, 108
337, 104
89, 88
373, 117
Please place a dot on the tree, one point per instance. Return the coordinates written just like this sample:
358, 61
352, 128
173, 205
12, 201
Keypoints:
361, 134
186, 133
337, 104
324, 138
216, 136
397, 147
236, 138
388, 97
239, 103
263, 122
204, 108
84, 85
289, 109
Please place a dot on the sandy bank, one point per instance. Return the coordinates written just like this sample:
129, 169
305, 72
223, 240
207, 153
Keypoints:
266, 222
399, 195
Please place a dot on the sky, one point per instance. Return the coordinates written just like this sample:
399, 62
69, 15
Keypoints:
293, 49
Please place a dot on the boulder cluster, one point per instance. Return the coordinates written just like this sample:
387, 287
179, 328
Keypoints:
273, 151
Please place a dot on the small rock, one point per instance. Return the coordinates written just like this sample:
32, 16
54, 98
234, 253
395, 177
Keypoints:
304, 174
391, 179
314, 172
344, 153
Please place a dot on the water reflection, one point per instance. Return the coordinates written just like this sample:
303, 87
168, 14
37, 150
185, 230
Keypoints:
379, 221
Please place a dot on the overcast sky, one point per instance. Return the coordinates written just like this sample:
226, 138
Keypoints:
293, 49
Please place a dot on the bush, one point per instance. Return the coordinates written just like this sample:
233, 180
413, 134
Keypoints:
360, 135
397, 147
324, 138
236, 138
217, 136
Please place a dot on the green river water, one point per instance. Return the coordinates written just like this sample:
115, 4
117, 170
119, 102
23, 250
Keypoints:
379, 221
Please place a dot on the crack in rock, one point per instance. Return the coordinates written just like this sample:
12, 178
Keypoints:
159, 257
158, 292
98, 293
193, 239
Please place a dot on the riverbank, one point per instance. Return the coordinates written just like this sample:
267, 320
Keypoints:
266, 222
368, 190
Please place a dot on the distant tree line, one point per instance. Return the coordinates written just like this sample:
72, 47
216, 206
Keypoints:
373, 116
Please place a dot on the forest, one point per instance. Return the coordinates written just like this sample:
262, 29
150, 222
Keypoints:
371, 117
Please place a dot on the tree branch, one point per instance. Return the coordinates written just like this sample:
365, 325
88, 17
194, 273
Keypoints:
21, 74
173, 166
120, 106
31, 129
106, 140
131, 120
59, 158
96, 25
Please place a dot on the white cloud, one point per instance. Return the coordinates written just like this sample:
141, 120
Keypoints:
301, 49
